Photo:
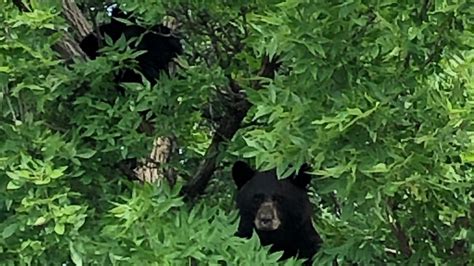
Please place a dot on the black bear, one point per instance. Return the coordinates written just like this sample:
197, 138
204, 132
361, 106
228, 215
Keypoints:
159, 44
278, 210
160, 47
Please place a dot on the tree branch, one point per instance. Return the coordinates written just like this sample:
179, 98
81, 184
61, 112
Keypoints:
403, 239
423, 14
226, 129
67, 47
21, 6
76, 19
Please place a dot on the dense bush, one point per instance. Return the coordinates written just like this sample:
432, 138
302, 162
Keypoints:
378, 96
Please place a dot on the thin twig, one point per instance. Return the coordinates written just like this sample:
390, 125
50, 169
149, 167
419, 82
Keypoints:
9, 103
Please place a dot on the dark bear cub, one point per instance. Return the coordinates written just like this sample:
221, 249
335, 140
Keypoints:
158, 43
278, 210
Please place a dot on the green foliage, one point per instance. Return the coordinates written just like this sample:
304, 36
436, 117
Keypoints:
380, 100
377, 95
155, 228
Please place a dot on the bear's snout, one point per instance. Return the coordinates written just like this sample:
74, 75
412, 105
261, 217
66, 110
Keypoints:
267, 218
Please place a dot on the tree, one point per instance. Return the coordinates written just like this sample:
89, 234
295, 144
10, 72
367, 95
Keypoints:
377, 96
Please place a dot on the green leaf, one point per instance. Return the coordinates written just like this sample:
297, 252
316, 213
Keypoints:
76, 257
56, 173
40, 221
12, 185
59, 228
86, 154
9, 230
378, 168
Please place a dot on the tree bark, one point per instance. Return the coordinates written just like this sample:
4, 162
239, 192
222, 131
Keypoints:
155, 166
76, 19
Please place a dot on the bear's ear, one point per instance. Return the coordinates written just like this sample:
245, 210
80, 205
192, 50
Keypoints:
242, 173
302, 178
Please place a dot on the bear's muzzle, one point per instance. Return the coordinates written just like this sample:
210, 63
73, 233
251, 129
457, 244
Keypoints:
267, 218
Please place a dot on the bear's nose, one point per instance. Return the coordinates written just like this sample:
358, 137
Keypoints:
266, 217
265, 221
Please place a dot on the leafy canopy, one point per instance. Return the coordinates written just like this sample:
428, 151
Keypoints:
376, 95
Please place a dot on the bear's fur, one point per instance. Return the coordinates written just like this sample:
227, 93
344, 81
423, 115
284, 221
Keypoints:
278, 210
159, 45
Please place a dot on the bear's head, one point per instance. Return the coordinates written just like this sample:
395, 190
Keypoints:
272, 204
278, 210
